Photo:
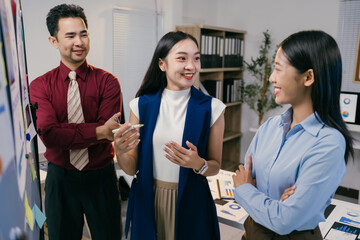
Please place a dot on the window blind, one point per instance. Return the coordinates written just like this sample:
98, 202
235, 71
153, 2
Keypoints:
135, 35
348, 29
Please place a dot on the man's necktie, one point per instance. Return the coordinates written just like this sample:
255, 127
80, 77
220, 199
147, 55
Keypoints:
78, 157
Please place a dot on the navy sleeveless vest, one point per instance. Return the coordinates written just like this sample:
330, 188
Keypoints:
196, 216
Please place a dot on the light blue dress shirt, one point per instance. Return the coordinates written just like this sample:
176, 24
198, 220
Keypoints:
310, 155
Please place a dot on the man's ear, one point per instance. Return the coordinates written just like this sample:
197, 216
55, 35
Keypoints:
53, 42
309, 78
162, 65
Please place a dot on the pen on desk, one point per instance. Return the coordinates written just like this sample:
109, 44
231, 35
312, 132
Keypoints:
218, 187
132, 127
227, 212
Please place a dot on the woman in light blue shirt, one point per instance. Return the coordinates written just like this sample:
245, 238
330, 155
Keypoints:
306, 147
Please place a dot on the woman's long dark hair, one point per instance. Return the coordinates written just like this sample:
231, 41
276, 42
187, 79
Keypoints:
318, 51
155, 79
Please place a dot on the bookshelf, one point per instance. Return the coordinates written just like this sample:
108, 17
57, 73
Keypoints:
222, 51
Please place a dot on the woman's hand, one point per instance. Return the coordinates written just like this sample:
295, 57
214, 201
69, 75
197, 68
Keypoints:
287, 193
125, 139
183, 157
243, 175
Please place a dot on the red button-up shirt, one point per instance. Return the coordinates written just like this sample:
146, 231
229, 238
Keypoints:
100, 99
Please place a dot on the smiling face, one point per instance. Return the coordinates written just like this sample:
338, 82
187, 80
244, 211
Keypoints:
72, 40
290, 86
181, 65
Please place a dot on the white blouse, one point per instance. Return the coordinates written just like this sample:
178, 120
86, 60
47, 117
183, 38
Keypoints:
170, 127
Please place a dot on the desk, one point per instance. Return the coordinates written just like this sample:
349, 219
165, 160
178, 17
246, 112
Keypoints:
342, 218
222, 190
343, 222
342, 215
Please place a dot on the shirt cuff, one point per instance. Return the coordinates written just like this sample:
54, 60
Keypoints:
242, 191
89, 131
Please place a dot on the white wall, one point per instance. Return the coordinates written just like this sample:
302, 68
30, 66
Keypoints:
200, 12
42, 57
281, 17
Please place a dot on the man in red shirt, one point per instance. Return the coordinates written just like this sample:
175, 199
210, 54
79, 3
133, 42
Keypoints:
86, 185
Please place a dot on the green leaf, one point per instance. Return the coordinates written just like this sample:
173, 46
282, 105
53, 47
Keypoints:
259, 67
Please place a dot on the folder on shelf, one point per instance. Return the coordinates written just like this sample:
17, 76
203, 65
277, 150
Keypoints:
203, 89
233, 52
231, 90
213, 87
210, 51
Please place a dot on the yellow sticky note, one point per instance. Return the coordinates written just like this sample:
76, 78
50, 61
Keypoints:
32, 169
28, 212
2, 66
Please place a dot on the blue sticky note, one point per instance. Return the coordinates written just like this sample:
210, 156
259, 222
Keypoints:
39, 216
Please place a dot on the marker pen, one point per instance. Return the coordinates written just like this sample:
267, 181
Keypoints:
117, 119
131, 128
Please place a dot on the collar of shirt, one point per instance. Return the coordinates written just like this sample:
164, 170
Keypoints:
312, 124
81, 72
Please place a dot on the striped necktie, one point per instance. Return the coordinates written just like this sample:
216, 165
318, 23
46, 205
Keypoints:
78, 157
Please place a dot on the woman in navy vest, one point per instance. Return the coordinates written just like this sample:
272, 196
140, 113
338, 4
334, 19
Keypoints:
179, 145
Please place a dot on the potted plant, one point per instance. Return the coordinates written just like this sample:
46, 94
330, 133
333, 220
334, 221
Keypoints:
257, 93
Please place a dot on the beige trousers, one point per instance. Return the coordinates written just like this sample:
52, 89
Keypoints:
166, 194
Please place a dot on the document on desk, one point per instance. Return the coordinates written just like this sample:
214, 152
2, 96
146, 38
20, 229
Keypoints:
222, 189
342, 231
231, 211
226, 188
212, 181
343, 222
222, 185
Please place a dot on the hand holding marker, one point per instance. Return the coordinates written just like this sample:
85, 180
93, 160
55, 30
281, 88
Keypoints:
131, 128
